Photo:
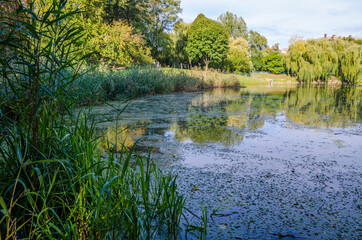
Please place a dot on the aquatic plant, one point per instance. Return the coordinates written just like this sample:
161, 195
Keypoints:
102, 83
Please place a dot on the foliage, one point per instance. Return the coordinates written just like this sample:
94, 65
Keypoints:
54, 184
236, 27
99, 85
207, 42
117, 43
71, 192
273, 62
148, 21
179, 37
129, 11
39, 48
350, 63
162, 15
257, 61
257, 43
355, 40
141, 81
238, 58
318, 59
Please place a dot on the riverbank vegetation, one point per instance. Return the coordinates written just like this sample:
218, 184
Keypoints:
55, 55
54, 183
145, 33
102, 84
319, 59
124, 34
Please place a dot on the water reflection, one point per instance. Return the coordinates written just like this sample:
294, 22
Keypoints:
325, 107
225, 115
117, 137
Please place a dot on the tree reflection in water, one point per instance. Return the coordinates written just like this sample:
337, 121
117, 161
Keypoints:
225, 115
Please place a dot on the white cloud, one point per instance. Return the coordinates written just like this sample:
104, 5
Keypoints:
278, 20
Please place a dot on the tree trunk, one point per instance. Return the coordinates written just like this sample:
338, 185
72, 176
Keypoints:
206, 68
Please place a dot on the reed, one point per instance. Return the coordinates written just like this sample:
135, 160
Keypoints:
54, 182
103, 84
70, 191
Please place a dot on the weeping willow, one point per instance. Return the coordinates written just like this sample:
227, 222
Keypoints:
350, 64
319, 59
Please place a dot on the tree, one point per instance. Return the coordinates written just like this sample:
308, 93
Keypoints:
179, 38
162, 16
152, 19
238, 58
273, 62
275, 47
350, 63
207, 41
118, 43
236, 27
318, 59
257, 61
131, 12
257, 44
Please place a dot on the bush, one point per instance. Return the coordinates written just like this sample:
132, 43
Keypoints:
273, 62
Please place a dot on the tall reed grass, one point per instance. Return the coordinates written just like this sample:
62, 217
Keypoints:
69, 191
54, 183
102, 84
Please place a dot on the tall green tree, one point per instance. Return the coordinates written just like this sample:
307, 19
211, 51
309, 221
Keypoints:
163, 14
179, 38
151, 19
350, 63
238, 58
131, 12
234, 25
207, 42
257, 44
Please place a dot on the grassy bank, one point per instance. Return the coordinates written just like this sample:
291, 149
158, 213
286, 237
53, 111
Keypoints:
103, 84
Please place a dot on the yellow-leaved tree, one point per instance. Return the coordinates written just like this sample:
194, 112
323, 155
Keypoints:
238, 58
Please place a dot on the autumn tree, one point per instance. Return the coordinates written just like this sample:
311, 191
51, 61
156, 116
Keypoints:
207, 42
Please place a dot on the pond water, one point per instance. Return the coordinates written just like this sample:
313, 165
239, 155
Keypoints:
281, 162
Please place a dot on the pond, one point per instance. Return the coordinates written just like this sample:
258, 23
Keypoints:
279, 161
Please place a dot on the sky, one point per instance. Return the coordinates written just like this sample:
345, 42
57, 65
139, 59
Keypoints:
279, 20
